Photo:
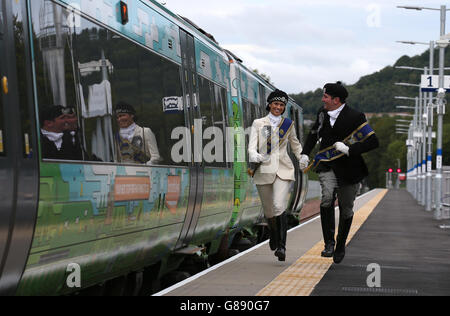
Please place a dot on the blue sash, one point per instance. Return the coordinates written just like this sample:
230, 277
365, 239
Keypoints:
329, 154
284, 129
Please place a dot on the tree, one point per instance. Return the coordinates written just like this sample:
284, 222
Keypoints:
263, 75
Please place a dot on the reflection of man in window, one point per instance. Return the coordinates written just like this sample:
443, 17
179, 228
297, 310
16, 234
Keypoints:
71, 132
56, 144
135, 144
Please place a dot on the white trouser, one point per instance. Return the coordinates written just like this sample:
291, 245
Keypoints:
274, 197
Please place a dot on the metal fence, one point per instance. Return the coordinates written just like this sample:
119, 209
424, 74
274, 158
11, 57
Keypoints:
445, 193
416, 185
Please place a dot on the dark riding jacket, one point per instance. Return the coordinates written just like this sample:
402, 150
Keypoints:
348, 169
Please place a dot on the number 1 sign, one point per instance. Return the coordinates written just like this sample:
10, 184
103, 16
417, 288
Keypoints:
431, 83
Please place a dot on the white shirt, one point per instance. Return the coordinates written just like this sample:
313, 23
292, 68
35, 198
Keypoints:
335, 114
274, 120
54, 137
128, 133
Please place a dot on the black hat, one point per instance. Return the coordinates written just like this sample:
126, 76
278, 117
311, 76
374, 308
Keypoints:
277, 95
336, 90
50, 113
123, 107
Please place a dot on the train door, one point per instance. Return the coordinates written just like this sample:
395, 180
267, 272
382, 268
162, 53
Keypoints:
18, 160
194, 123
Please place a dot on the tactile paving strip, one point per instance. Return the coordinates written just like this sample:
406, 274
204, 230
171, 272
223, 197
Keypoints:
301, 278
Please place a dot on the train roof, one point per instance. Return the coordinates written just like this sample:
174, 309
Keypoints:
208, 37
199, 33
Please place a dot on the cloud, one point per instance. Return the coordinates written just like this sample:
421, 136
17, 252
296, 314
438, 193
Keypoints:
303, 44
305, 68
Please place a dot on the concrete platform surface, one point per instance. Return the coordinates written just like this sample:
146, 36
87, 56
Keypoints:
254, 270
408, 254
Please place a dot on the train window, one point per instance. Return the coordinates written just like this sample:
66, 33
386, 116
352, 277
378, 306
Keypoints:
57, 88
2, 21
18, 9
2, 122
212, 103
247, 107
256, 111
220, 119
205, 101
2, 130
262, 100
251, 112
123, 100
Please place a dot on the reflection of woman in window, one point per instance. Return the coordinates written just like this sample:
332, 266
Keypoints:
134, 144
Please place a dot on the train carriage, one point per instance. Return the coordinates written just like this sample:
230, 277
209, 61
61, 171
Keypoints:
118, 222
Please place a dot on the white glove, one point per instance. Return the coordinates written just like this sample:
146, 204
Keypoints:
304, 162
257, 158
342, 148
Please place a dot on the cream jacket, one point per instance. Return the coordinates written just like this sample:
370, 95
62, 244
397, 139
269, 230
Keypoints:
149, 145
280, 164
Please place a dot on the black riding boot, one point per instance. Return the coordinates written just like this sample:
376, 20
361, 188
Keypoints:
327, 218
344, 229
282, 236
273, 242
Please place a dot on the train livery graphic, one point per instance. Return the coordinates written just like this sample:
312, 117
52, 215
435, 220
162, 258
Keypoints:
125, 224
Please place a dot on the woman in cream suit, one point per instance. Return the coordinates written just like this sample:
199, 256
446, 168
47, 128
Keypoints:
275, 171
134, 144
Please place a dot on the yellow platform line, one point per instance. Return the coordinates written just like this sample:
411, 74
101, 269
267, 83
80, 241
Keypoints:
302, 277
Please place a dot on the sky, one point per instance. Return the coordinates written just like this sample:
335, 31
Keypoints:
303, 44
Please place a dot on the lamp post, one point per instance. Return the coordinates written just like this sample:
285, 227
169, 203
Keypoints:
421, 8
423, 190
411, 42
410, 183
440, 113
414, 152
428, 113
440, 106
429, 123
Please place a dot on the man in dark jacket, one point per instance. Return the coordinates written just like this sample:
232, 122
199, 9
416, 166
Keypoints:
344, 136
56, 140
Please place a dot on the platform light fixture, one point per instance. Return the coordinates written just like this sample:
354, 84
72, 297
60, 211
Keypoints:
443, 42
420, 8
123, 12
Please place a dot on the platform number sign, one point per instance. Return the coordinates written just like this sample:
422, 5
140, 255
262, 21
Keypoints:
431, 83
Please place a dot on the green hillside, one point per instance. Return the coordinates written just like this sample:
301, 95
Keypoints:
375, 94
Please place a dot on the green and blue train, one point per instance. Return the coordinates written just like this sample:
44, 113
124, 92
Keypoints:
121, 226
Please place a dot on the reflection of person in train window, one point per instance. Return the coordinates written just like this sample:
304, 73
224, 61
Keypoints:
55, 143
134, 144
71, 132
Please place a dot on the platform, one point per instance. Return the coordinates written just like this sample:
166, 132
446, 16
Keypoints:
402, 244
